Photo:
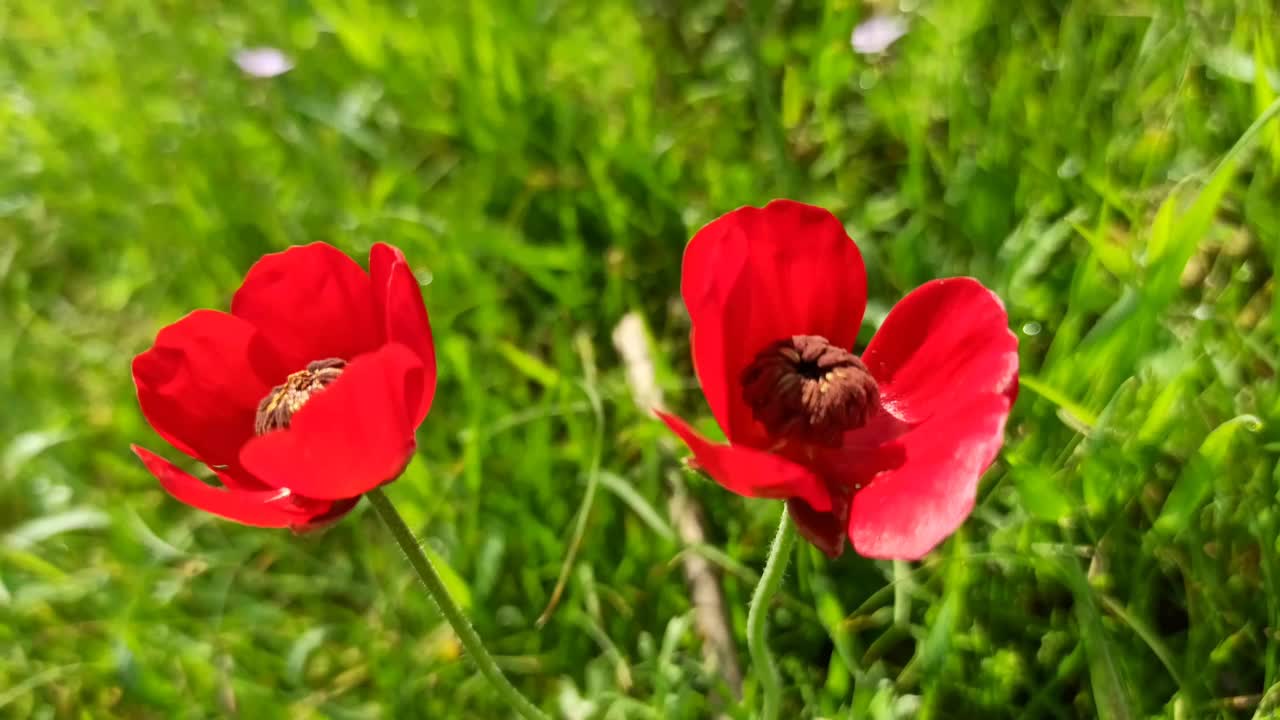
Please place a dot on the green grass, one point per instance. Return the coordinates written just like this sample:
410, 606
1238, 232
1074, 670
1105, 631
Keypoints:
542, 164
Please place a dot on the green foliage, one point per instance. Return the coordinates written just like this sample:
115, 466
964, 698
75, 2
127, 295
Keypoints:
1103, 165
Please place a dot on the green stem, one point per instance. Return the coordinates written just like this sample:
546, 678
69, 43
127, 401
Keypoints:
767, 117
436, 589
758, 618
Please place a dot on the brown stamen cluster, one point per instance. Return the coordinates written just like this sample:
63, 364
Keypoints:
804, 388
277, 408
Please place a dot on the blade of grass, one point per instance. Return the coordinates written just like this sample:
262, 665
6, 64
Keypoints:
1110, 689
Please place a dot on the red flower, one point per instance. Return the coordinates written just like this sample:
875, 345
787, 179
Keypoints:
304, 397
887, 448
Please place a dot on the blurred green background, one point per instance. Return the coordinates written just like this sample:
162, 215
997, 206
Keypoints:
542, 164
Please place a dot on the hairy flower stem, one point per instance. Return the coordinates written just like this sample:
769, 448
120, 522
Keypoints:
440, 595
758, 618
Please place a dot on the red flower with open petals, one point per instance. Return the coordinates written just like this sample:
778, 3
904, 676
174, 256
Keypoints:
885, 448
302, 398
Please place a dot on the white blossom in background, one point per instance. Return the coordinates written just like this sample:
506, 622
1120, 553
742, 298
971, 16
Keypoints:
876, 34
263, 62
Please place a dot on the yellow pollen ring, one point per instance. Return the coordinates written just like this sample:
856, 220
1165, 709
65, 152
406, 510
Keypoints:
278, 407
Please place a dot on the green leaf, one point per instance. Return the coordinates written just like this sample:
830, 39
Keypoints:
937, 644
1100, 488
301, 649
26, 446
1194, 224
1161, 233
1110, 691
794, 97
43, 528
1194, 485
832, 616
1164, 410
1115, 258
1043, 495
528, 365
1151, 638
628, 494
457, 587
1082, 414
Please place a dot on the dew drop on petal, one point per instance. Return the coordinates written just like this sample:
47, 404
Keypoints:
263, 62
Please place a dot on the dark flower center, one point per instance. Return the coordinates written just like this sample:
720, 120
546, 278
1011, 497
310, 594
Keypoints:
804, 388
277, 408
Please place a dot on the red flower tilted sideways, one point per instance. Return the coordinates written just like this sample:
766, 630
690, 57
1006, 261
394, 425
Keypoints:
302, 398
885, 448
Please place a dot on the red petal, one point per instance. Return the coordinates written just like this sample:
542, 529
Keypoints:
758, 275
749, 472
311, 303
354, 436
943, 345
338, 509
381, 259
199, 385
863, 452
908, 510
826, 530
235, 477
398, 299
257, 508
